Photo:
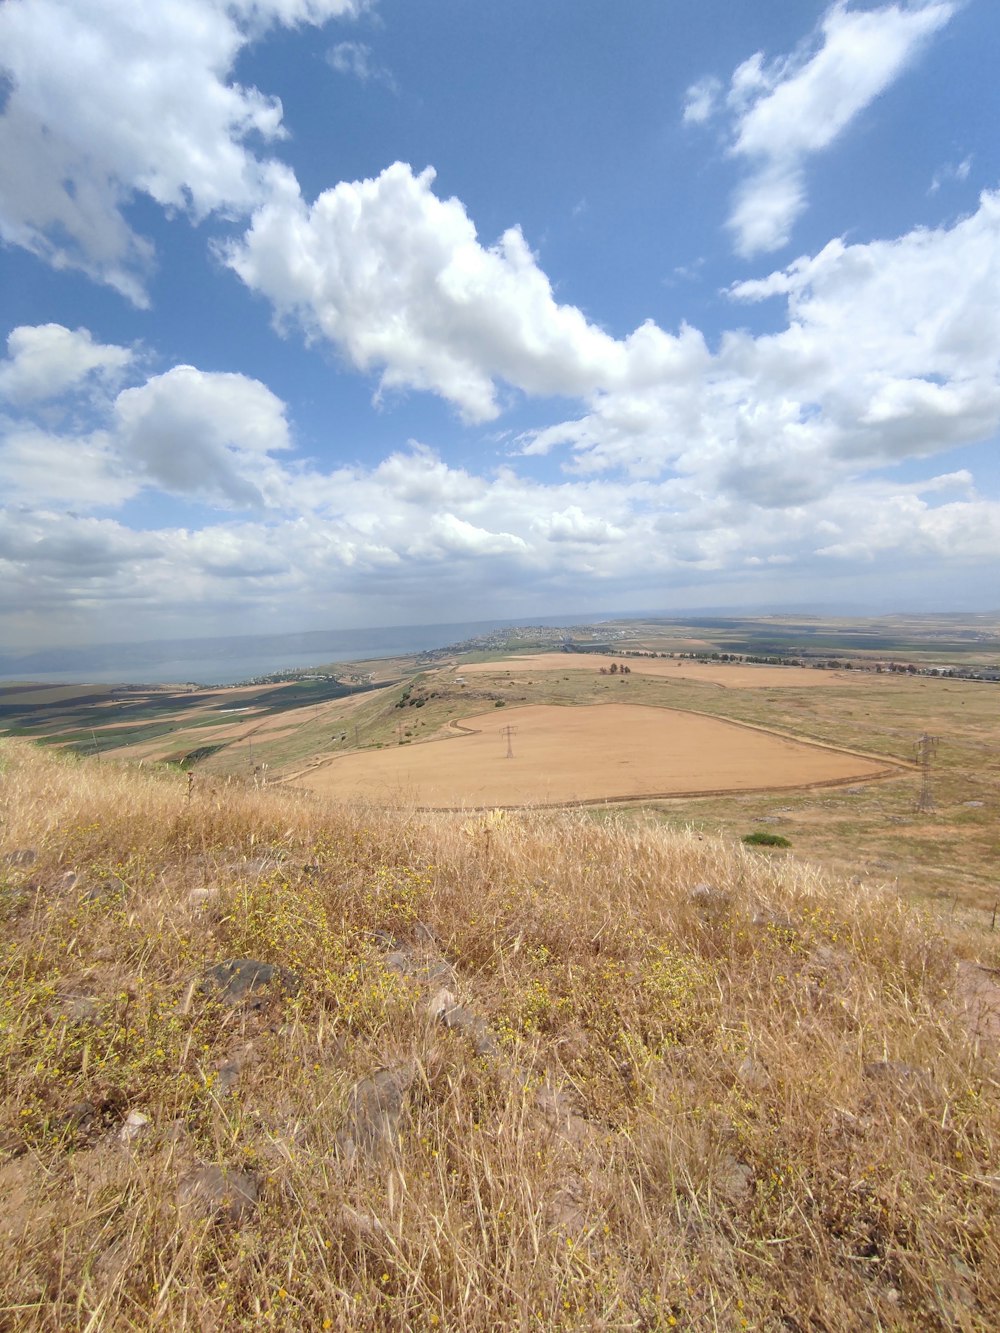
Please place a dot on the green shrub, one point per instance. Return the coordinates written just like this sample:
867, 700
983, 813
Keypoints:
762, 839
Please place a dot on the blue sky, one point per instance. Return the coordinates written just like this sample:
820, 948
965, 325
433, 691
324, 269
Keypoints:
328, 313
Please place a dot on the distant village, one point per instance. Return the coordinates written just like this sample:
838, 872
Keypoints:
866, 665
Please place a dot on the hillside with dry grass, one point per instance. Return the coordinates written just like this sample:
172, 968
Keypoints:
267, 1062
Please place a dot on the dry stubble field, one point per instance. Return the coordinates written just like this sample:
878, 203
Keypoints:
603, 752
735, 676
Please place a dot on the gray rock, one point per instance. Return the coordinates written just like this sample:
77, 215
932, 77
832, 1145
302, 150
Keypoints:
460, 1019
709, 900
439, 1003
23, 856
973, 805
73, 1009
907, 1083
427, 971
752, 1074
734, 1180
375, 1109
133, 1127
220, 1193
248, 982
109, 890
775, 921
229, 1070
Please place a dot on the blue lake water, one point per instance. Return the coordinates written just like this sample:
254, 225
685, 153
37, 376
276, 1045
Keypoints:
226, 660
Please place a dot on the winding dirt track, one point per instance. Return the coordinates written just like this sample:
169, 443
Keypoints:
584, 755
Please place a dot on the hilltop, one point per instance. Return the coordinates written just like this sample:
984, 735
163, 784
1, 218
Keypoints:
269, 1062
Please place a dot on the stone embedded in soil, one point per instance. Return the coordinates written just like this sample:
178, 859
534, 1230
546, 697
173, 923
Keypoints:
247, 981
439, 1003
709, 900
734, 1180
83, 1123
73, 1009
220, 1193
775, 921
460, 1019
133, 1127
428, 971
752, 1074
908, 1082
374, 1110
229, 1070
108, 890
22, 856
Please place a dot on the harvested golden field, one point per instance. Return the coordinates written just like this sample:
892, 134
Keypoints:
735, 675
602, 752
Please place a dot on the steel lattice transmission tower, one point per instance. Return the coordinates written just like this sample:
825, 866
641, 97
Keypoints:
926, 748
509, 732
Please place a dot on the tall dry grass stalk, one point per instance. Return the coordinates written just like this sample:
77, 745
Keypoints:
720, 1091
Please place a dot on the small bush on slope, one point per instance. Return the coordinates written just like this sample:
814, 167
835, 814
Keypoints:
723, 1093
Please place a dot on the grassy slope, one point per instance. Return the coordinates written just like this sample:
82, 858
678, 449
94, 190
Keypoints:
947, 858
679, 1131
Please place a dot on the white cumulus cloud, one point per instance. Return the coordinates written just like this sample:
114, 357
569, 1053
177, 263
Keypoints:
890, 352
45, 360
109, 99
398, 280
785, 110
209, 436
194, 432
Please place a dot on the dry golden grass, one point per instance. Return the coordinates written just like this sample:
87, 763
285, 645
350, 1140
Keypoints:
758, 1105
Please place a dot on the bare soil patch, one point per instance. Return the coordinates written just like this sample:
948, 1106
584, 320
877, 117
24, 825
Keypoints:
735, 675
563, 755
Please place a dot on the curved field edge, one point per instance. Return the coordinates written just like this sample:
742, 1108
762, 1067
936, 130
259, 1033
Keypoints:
729, 1091
459, 729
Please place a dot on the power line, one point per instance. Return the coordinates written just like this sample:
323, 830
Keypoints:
926, 748
509, 732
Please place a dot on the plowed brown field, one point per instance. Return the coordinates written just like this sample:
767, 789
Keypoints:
586, 754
